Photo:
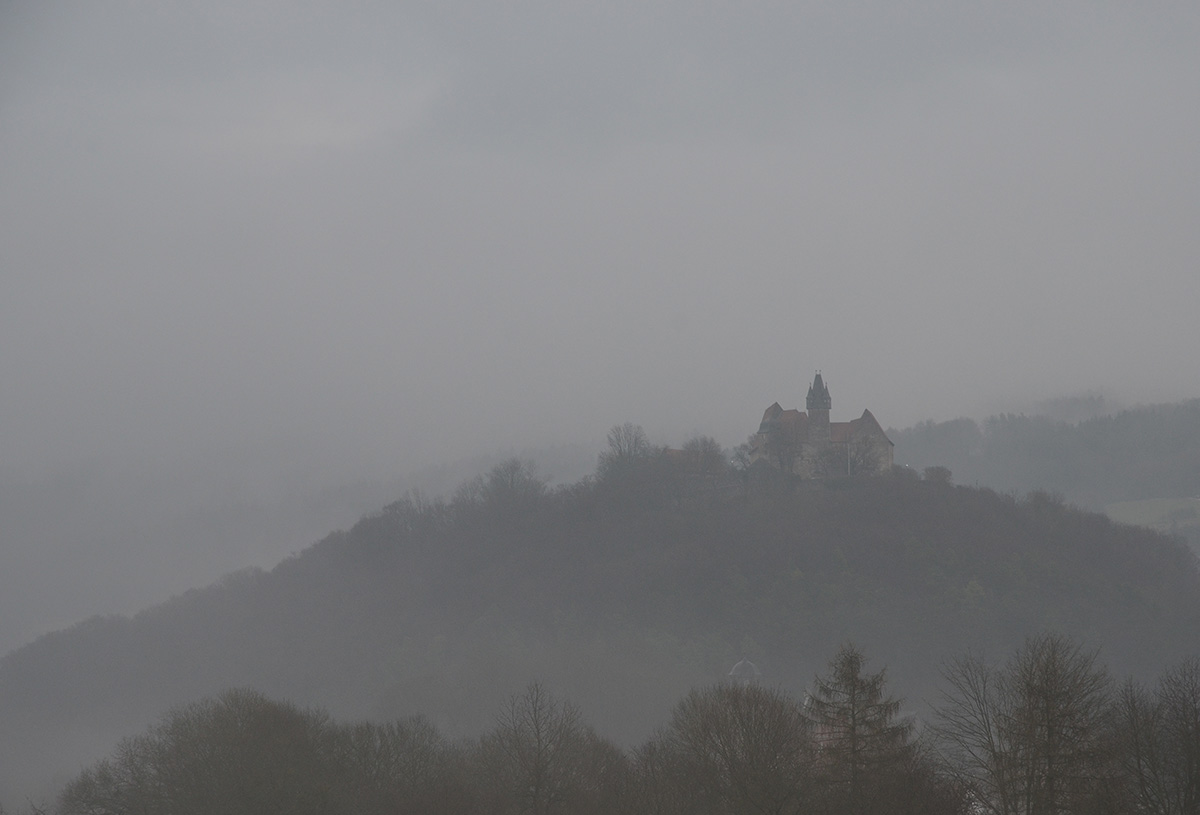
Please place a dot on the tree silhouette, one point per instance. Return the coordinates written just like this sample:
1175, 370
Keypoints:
1030, 738
862, 744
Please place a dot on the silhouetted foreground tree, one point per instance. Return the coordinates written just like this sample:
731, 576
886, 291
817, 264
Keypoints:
628, 451
1033, 737
1043, 734
240, 753
243, 753
746, 749
1160, 741
397, 767
705, 457
865, 750
727, 749
542, 760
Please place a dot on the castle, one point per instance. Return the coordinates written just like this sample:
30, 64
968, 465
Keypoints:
808, 445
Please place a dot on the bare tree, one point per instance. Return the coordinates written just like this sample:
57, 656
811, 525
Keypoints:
781, 447
743, 454
628, 456
399, 766
1030, 738
662, 780
748, 748
238, 753
862, 455
1139, 719
1179, 696
627, 445
970, 725
544, 760
705, 458
513, 484
828, 461
1161, 741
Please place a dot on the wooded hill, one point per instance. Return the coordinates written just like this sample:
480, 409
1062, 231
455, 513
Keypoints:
1141, 453
620, 592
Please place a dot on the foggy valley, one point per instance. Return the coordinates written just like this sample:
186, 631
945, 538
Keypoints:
389, 391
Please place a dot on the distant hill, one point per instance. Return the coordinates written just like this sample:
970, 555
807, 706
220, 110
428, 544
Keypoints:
113, 537
620, 592
1141, 453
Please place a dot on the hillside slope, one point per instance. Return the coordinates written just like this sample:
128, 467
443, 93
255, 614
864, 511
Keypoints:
620, 594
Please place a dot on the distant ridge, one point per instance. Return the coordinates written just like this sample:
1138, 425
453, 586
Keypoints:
1145, 452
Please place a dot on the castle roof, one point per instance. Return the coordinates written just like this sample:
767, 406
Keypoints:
792, 421
772, 413
844, 431
868, 420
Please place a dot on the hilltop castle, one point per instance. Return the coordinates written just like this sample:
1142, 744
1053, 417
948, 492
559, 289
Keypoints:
810, 446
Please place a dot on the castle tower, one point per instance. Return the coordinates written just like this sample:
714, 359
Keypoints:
818, 404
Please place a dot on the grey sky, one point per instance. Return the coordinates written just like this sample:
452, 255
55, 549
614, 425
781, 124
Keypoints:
372, 237
418, 230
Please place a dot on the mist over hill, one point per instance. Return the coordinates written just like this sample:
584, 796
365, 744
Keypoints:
621, 591
1134, 454
111, 538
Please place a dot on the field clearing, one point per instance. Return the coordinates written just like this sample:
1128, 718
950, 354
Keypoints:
1172, 515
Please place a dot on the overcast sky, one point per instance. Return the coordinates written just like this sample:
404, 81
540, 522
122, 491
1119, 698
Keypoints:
388, 234
252, 250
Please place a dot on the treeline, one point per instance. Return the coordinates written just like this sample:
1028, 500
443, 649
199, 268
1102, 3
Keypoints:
1046, 732
1145, 452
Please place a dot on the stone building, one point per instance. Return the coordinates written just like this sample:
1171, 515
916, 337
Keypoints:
808, 445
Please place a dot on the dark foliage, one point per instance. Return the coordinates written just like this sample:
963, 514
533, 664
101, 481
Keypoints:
621, 594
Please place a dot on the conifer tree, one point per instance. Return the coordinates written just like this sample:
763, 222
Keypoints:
863, 748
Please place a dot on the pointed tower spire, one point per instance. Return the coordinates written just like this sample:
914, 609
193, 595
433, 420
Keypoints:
818, 404
818, 395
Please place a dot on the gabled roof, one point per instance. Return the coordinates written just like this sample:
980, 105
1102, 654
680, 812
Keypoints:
772, 413
793, 421
869, 422
844, 431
